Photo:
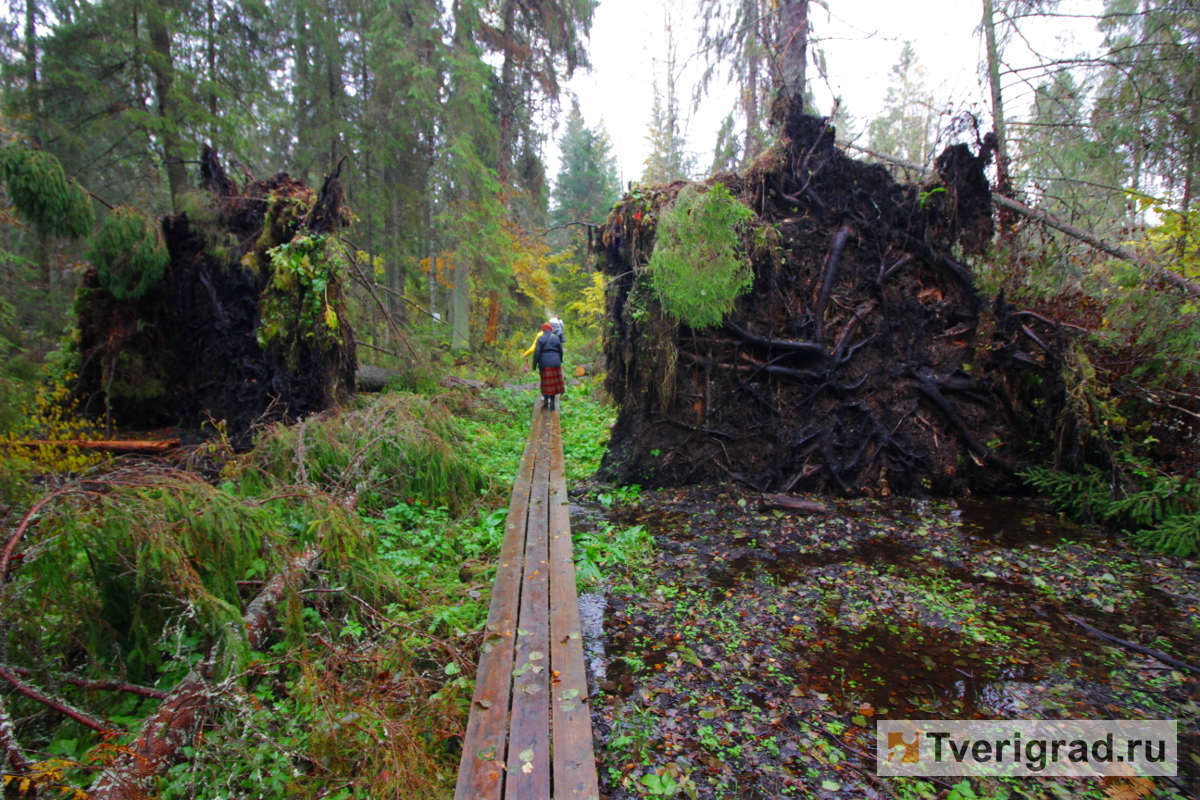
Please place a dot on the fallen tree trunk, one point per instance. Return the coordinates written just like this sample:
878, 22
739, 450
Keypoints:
785, 503
1116, 251
185, 709
1158, 655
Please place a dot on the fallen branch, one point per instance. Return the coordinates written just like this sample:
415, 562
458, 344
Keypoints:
595, 225
1189, 286
19, 533
11, 754
98, 685
369, 285
106, 445
785, 503
186, 707
1135, 647
82, 717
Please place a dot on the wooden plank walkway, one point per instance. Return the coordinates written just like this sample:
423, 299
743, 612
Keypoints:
529, 734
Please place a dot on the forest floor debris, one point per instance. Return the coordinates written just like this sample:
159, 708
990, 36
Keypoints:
754, 654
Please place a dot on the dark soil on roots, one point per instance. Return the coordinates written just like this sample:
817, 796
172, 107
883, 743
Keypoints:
187, 353
862, 362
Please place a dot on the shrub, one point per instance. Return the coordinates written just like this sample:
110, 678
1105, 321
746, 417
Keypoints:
696, 269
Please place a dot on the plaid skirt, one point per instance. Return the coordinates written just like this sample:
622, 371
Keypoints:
552, 380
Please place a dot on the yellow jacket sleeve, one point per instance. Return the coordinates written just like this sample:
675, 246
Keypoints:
533, 346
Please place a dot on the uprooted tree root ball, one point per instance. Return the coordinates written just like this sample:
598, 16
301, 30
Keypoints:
246, 322
862, 359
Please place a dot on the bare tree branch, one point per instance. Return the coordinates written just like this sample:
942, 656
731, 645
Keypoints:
82, 717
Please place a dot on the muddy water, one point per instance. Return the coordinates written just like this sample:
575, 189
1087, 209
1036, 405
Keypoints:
910, 609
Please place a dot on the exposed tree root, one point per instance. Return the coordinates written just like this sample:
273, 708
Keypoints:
860, 311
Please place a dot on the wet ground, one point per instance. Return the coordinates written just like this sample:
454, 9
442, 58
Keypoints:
752, 656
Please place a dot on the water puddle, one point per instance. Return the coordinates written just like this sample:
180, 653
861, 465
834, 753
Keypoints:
1016, 522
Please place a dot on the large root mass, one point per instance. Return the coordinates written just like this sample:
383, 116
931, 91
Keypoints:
863, 360
224, 338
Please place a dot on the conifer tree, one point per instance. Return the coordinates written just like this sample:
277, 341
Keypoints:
587, 184
907, 128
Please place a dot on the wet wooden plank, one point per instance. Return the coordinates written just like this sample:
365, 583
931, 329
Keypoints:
528, 758
574, 758
481, 769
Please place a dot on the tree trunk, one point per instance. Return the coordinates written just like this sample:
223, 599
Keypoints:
462, 304
31, 72
507, 110
750, 102
211, 21
163, 66
301, 154
794, 19
1003, 184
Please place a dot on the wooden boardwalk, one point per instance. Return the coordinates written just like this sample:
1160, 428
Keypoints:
529, 734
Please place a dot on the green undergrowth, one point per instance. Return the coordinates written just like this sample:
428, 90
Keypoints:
139, 574
500, 425
609, 546
1158, 510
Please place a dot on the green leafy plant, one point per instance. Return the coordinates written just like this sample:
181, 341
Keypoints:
304, 295
660, 784
696, 269
609, 547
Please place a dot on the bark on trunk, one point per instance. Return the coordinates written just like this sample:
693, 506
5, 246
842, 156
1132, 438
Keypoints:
159, 34
794, 19
1003, 184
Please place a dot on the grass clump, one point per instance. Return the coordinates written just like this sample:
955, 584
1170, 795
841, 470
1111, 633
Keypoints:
696, 269
380, 452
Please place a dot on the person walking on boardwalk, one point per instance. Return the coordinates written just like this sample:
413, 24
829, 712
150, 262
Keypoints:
547, 357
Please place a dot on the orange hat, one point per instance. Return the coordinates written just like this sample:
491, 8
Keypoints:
546, 326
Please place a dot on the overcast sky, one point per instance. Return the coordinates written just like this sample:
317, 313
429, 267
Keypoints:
862, 40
